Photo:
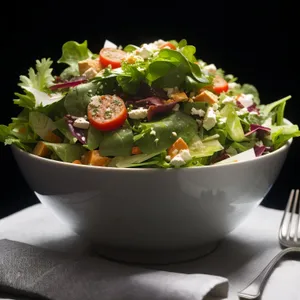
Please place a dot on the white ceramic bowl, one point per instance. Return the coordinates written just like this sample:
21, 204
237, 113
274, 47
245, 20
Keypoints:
152, 215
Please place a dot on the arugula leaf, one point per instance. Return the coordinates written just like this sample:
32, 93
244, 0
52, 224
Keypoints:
72, 53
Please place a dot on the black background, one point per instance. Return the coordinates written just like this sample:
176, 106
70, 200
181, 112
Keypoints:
256, 41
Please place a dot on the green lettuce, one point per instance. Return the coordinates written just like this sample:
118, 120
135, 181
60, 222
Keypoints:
72, 53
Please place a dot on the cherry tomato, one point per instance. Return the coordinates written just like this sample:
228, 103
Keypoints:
111, 56
107, 112
220, 85
168, 44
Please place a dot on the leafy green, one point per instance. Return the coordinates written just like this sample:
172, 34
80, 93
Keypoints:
41, 79
187, 106
266, 109
281, 134
66, 152
4, 133
94, 137
62, 126
117, 143
200, 148
130, 48
78, 98
233, 124
36, 86
72, 53
129, 161
183, 125
41, 124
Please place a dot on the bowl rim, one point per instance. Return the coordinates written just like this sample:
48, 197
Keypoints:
283, 148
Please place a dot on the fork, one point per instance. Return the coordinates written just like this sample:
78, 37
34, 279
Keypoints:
289, 239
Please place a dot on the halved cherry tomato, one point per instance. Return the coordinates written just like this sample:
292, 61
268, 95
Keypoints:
220, 85
107, 112
111, 56
168, 44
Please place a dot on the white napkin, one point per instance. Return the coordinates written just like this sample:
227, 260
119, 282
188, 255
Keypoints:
70, 273
239, 258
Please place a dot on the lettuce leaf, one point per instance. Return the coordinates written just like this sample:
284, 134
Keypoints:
72, 53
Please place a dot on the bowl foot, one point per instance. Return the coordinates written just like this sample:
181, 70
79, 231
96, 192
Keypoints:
155, 257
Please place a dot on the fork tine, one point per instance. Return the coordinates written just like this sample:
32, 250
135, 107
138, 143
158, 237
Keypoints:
294, 201
297, 230
284, 233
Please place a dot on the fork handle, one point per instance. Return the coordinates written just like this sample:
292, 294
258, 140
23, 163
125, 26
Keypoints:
253, 290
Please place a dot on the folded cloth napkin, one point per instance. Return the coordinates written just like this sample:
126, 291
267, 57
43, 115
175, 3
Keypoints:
239, 258
36, 271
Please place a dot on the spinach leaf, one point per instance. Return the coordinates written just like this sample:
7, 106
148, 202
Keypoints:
117, 143
78, 98
167, 131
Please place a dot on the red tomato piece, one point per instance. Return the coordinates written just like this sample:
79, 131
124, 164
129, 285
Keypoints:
168, 45
220, 85
111, 56
107, 112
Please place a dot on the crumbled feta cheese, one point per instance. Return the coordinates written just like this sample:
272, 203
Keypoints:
132, 58
229, 99
253, 112
171, 91
215, 106
139, 113
246, 99
233, 85
197, 112
144, 53
181, 158
176, 107
242, 111
209, 119
81, 123
174, 133
209, 69
159, 42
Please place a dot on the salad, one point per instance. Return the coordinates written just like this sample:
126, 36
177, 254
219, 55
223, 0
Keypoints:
154, 105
